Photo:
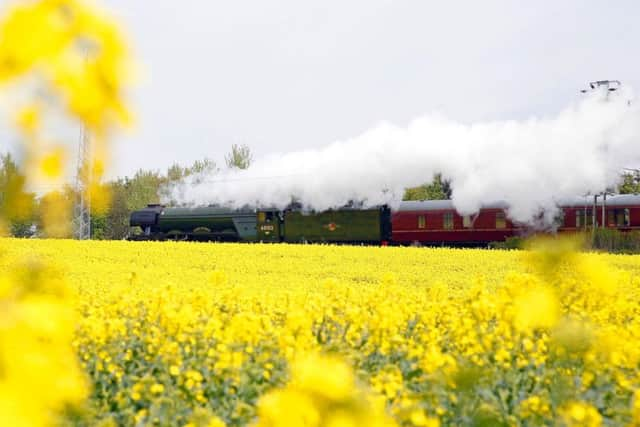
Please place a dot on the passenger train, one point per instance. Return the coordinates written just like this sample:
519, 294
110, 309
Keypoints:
429, 222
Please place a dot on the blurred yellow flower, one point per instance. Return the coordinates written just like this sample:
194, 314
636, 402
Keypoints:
157, 389
579, 414
536, 308
287, 408
52, 163
323, 376
28, 119
418, 418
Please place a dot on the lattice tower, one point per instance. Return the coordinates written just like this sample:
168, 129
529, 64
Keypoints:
82, 206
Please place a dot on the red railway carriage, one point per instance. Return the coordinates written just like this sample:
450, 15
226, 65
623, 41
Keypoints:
621, 212
436, 222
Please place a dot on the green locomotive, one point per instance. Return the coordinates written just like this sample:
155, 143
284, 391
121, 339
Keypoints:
346, 225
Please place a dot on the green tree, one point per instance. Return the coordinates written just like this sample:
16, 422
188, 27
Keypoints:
17, 205
201, 169
143, 188
438, 189
117, 217
127, 195
99, 226
198, 171
240, 157
204, 166
176, 172
630, 183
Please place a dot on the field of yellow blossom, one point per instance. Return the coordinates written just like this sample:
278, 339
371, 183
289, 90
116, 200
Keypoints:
281, 335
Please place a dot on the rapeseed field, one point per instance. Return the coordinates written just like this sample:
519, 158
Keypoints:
193, 334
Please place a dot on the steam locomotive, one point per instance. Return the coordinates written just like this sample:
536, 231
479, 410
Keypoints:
347, 225
429, 222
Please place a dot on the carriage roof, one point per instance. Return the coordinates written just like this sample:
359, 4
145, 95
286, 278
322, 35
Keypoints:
584, 201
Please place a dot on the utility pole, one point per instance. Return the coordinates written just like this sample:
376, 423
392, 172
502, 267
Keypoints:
82, 207
595, 213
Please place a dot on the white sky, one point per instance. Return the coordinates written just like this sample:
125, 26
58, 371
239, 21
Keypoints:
285, 75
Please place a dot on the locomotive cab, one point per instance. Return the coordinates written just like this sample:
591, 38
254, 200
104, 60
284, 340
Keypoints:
269, 225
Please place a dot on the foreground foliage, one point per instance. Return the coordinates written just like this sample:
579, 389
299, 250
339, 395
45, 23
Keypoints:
601, 240
275, 335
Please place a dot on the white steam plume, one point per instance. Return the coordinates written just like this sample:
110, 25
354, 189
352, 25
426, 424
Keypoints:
528, 164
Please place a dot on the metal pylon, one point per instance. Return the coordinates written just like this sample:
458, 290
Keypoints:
82, 207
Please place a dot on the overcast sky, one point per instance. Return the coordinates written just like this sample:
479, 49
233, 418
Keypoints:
290, 74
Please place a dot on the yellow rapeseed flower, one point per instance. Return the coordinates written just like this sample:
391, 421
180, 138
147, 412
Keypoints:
580, 414
537, 308
323, 376
157, 388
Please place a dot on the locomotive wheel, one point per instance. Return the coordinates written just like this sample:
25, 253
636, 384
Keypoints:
176, 236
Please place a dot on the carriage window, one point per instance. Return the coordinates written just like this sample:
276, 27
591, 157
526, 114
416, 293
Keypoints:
448, 221
584, 218
611, 218
421, 221
501, 221
466, 221
261, 216
622, 217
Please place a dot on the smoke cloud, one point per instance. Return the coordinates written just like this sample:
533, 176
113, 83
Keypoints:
529, 164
